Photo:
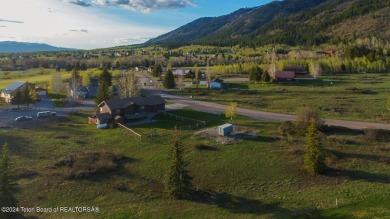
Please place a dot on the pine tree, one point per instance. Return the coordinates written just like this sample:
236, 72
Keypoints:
265, 77
157, 71
7, 198
177, 180
169, 80
314, 160
106, 76
103, 93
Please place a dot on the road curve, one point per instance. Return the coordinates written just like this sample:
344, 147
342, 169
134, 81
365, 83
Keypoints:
210, 107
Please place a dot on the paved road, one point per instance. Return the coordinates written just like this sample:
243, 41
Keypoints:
220, 108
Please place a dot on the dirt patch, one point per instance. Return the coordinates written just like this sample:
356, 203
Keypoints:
237, 136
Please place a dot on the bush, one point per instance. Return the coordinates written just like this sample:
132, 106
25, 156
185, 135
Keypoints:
287, 129
88, 164
303, 118
372, 134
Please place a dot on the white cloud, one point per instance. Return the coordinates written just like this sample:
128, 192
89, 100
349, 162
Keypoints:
145, 6
59, 23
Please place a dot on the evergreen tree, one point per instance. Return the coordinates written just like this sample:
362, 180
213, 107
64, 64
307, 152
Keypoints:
104, 92
17, 99
177, 180
255, 74
106, 76
265, 77
157, 71
7, 198
169, 80
68, 67
314, 160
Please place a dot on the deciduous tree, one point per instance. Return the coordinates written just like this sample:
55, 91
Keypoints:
56, 83
129, 86
231, 110
17, 99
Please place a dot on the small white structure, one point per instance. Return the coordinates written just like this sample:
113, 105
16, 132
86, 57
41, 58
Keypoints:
225, 129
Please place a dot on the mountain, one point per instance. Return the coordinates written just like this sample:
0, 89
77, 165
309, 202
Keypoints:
12, 46
294, 22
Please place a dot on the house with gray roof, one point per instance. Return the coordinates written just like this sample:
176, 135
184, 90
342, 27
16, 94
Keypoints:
10, 91
129, 109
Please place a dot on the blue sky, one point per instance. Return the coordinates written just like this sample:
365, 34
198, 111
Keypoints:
88, 24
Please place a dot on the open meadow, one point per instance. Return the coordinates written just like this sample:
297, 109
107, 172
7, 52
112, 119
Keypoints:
360, 97
64, 161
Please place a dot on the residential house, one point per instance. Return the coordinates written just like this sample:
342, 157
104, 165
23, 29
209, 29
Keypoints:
10, 91
298, 70
128, 109
182, 72
285, 75
41, 91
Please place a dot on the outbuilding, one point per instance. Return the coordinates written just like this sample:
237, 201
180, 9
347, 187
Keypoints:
225, 129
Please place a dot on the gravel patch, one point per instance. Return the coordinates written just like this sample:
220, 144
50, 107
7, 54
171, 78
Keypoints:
237, 136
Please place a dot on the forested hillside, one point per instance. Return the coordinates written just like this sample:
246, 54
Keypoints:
293, 22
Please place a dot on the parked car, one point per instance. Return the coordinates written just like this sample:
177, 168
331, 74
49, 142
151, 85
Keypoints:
45, 114
102, 126
23, 118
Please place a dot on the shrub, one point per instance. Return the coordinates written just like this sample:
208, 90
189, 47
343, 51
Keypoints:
287, 129
303, 118
88, 164
372, 134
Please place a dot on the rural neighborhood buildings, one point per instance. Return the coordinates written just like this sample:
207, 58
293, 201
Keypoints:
118, 110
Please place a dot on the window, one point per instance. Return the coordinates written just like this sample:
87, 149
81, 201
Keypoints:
101, 109
142, 107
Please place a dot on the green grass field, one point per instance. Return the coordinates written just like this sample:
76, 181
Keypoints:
257, 178
36, 76
360, 97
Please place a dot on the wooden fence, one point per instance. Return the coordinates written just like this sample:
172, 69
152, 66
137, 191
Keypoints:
184, 119
129, 130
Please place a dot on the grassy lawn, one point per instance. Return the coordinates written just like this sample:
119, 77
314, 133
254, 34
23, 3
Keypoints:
350, 97
35, 76
256, 178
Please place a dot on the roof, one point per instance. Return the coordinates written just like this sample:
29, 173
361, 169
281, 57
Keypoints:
225, 125
285, 74
116, 103
103, 116
181, 72
296, 69
218, 80
15, 85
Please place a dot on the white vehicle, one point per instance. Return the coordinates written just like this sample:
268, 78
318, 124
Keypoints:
45, 114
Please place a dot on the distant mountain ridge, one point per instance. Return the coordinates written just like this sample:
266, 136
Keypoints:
294, 22
13, 46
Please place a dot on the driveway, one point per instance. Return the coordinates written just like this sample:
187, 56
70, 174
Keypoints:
7, 115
